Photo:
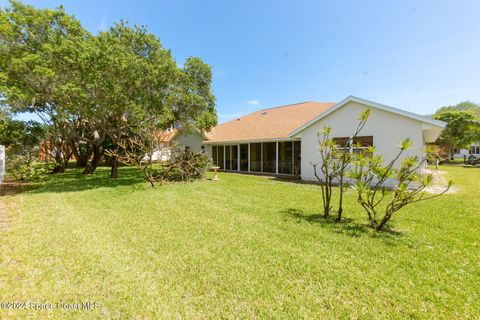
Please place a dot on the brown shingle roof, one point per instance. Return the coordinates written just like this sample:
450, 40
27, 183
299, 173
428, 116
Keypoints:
167, 135
273, 123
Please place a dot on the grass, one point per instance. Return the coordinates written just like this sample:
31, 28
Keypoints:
241, 247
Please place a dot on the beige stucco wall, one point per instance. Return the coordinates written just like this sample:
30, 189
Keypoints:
387, 129
191, 139
208, 150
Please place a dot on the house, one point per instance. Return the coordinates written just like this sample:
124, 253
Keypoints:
284, 141
178, 138
473, 150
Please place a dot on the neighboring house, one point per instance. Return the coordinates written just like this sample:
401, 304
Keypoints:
178, 138
473, 150
284, 140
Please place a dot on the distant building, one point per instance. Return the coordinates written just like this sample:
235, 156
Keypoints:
178, 139
473, 150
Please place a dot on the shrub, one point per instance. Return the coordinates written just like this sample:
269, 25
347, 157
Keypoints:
23, 167
184, 166
371, 176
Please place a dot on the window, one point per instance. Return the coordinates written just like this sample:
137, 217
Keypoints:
244, 157
269, 157
297, 158
342, 144
474, 149
214, 155
285, 157
256, 157
360, 144
234, 165
220, 157
228, 158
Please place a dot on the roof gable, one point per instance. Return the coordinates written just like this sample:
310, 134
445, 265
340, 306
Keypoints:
411, 115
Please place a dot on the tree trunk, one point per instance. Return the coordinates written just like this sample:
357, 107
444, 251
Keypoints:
328, 197
384, 221
66, 159
114, 170
82, 162
92, 166
82, 156
59, 161
58, 168
340, 201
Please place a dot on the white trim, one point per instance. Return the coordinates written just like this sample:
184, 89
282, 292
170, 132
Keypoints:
372, 104
248, 157
276, 157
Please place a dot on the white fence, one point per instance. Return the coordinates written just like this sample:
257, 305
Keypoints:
2, 162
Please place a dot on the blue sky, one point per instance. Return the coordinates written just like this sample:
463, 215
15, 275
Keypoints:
415, 55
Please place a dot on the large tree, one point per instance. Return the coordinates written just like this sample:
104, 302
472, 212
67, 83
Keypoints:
95, 90
37, 59
462, 128
132, 82
462, 106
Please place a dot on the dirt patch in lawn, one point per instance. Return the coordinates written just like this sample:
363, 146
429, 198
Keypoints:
439, 182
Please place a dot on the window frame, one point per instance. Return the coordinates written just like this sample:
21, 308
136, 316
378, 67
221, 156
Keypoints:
351, 148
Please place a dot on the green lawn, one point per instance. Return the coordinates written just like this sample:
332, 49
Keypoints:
241, 247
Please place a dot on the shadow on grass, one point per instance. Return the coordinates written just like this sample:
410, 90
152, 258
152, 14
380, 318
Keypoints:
11, 188
346, 226
74, 180
469, 166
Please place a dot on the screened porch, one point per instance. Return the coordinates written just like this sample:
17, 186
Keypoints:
279, 157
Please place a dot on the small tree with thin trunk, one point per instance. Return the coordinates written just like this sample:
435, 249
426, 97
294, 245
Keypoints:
328, 171
344, 162
335, 163
371, 177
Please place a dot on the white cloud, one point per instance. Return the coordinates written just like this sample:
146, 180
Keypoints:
254, 102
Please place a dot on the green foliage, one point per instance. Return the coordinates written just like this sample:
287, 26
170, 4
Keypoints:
462, 106
16, 134
434, 154
23, 167
21, 140
95, 88
374, 178
462, 128
184, 166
